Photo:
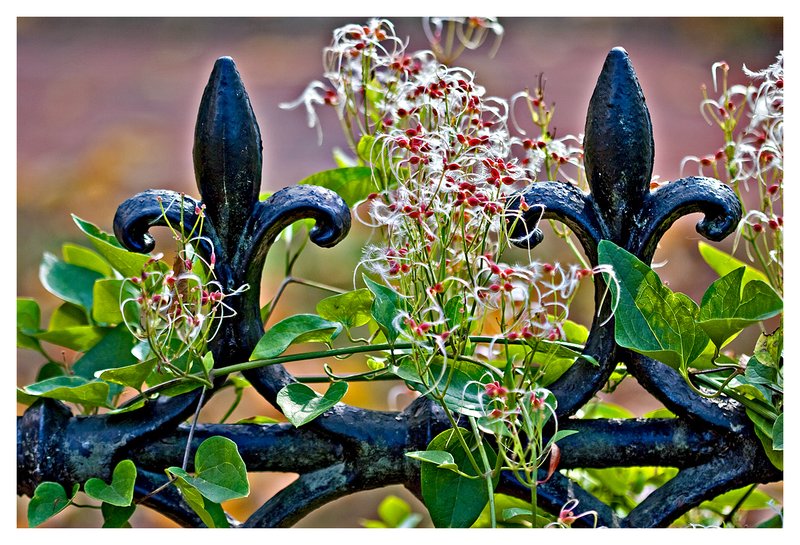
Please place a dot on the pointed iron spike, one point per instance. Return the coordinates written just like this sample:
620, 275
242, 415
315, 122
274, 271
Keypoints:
618, 143
227, 152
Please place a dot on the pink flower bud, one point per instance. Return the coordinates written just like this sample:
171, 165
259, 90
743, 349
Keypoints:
494, 389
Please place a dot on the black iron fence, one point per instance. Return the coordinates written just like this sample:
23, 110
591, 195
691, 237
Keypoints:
350, 449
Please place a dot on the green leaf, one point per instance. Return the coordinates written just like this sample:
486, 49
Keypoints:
561, 434
68, 315
659, 413
79, 338
257, 420
454, 501
729, 305
48, 500
220, 473
777, 433
208, 362
604, 409
108, 294
396, 513
70, 388
375, 153
440, 458
209, 512
130, 375
386, 307
575, 332
455, 312
352, 309
29, 318
295, 329
775, 456
508, 505
86, 258
353, 184
130, 264
68, 282
513, 512
553, 359
758, 373
773, 522
300, 404
650, 318
120, 491
342, 159
49, 370
723, 263
769, 348
465, 383
116, 517
138, 404
755, 500
114, 350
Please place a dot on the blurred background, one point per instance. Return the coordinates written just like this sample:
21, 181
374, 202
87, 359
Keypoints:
106, 109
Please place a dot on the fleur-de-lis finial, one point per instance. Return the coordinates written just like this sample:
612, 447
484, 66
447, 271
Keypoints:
619, 152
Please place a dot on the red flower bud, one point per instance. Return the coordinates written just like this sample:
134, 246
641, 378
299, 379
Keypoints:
494, 389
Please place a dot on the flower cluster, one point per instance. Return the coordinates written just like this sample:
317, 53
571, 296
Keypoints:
752, 153
447, 161
177, 310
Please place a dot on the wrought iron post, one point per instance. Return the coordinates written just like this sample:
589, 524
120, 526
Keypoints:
350, 449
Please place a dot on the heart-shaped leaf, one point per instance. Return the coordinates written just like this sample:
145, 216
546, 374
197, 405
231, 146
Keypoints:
352, 309
650, 318
220, 473
386, 307
120, 491
453, 499
48, 500
116, 517
300, 328
729, 305
300, 404
209, 512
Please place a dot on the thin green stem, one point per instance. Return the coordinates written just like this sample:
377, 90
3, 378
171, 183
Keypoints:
750, 404
188, 449
488, 473
253, 364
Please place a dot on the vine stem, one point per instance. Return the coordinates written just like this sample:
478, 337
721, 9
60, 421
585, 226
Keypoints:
487, 470
295, 280
186, 451
191, 430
